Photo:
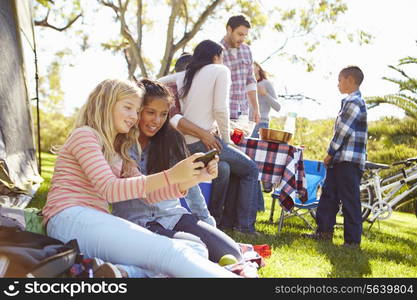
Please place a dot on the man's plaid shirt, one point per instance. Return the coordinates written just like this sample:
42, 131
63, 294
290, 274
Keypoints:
241, 68
350, 131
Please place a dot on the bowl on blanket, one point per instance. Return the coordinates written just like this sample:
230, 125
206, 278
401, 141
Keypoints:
273, 135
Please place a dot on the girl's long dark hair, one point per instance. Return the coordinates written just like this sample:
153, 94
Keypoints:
203, 55
167, 146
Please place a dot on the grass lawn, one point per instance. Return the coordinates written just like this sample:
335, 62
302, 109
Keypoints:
389, 249
48, 163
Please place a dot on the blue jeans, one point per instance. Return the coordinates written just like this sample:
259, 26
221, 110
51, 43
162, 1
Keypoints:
341, 185
255, 132
190, 228
248, 192
131, 246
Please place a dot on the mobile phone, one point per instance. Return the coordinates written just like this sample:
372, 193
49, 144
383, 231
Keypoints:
208, 156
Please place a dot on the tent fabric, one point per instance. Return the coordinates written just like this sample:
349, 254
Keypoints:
18, 165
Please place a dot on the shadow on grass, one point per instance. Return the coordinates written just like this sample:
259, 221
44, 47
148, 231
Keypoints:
375, 233
269, 237
353, 263
346, 262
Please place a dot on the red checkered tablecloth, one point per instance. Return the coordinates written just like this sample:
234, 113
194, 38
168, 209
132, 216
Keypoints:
281, 164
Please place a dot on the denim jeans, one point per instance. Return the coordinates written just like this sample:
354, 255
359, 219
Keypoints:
255, 132
248, 192
131, 246
190, 228
341, 185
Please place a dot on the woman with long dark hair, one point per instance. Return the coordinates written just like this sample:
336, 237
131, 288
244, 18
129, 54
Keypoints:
204, 96
163, 146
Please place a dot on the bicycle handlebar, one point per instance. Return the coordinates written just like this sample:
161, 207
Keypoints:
408, 161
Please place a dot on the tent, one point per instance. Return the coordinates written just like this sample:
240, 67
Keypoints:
19, 176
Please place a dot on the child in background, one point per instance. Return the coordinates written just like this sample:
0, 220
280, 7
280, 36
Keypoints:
345, 162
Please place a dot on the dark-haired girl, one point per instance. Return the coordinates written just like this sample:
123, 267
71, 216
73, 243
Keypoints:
204, 97
162, 146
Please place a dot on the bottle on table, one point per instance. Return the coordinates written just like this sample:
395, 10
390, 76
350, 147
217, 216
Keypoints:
289, 125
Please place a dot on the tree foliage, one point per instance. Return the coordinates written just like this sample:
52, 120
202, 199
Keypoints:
308, 27
391, 138
50, 88
132, 31
55, 129
406, 97
66, 15
58, 17
183, 20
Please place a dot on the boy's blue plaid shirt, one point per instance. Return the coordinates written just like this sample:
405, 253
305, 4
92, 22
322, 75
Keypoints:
350, 132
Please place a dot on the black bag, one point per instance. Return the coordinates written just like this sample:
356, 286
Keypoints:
28, 254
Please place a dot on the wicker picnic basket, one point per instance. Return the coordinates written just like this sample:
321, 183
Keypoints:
273, 135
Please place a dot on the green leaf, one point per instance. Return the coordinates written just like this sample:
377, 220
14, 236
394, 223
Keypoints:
279, 27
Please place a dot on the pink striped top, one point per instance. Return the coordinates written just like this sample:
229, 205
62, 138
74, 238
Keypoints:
83, 177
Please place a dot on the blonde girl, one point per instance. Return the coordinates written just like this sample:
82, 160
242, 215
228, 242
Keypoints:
93, 169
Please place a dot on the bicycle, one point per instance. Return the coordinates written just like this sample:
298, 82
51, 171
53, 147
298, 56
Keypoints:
381, 195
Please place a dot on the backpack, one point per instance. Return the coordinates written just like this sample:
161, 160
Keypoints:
29, 254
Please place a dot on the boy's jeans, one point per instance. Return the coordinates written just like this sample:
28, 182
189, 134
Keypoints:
342, 184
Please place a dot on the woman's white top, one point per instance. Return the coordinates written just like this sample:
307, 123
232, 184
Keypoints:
207, 102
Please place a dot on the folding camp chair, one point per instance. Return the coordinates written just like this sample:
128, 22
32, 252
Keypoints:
315, 175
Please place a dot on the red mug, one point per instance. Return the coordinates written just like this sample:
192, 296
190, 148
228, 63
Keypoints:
237, 135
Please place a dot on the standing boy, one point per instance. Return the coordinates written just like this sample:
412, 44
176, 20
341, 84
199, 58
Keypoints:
345, 162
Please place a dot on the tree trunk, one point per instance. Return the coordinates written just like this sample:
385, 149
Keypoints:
169, 44
170, 47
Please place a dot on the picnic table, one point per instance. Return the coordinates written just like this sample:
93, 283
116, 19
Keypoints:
282, 165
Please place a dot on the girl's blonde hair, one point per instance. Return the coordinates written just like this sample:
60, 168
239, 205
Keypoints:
97, 113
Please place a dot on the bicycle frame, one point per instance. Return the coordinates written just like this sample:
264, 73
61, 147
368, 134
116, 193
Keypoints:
386, 188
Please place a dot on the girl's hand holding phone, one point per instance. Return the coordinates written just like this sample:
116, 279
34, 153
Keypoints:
186, 169
211, 171
205, 173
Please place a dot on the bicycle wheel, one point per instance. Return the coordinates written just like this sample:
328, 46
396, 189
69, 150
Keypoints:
367, 199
